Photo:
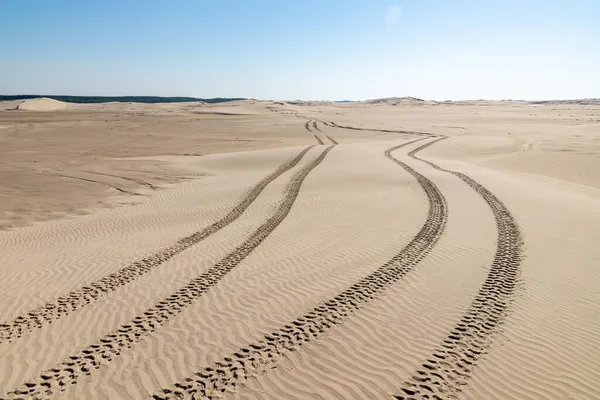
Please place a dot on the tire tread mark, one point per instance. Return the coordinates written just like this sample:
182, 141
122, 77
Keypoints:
231, 371
333, 141
334, 125
85, 295
307, 126
90, 358
314, 124
449, 367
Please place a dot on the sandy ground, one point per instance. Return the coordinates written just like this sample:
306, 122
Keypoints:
270, 250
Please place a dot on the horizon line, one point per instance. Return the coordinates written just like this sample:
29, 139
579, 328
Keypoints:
15, 97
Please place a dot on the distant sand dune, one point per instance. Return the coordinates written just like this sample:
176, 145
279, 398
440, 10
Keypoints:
42, 104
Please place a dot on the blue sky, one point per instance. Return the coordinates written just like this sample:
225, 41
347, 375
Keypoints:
302, 49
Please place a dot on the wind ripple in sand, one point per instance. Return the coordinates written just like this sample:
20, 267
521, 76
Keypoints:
81, 297
450, 366
231, 371
83, 362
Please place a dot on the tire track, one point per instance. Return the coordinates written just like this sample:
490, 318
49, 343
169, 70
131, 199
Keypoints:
231, 371
314, 125
307, 126
334, 125
450, 365
84, 361
327, 136
331, 139
85, 295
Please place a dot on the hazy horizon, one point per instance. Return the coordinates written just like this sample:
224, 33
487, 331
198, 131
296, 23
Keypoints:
351, 50
233, 98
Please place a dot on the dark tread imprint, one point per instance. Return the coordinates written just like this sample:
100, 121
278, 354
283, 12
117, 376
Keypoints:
231, 371
444, 373
90, 358
333, 141
334, 125
83, 296
314, 124
307, 126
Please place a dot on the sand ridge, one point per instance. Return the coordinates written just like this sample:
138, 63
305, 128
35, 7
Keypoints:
42, 104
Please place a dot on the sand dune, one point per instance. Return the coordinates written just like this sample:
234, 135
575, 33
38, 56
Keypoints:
42, 104
300, 250
395, 101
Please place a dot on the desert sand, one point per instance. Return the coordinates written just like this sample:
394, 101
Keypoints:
394, 248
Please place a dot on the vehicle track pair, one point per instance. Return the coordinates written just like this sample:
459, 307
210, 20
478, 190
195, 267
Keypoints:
91, 357
265, 353
91, 292
312, 124
308, 128
442, 374
309, 125
448, 368
354, 128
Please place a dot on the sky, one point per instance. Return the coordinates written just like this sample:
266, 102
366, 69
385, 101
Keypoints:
302, 49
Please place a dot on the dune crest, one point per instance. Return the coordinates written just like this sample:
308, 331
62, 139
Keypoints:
42, 104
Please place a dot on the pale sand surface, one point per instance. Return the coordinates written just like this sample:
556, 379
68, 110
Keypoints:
101, 298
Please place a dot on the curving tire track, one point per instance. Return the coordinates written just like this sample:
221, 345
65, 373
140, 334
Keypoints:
314, 124
256, 357
451, 364
333, 141
319, 140
307, 126
90, 358
354, 128
85, 295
